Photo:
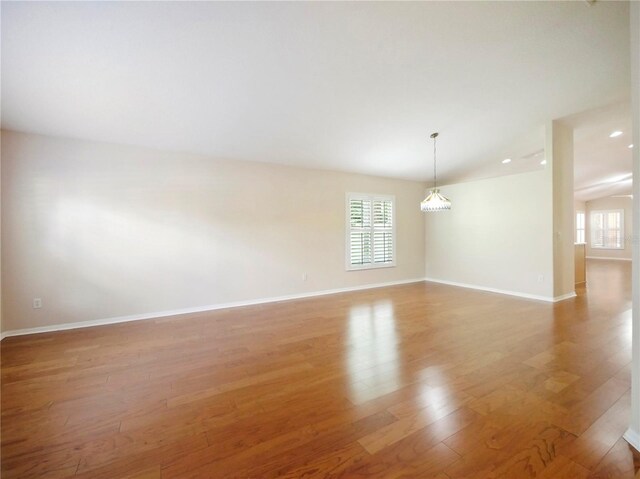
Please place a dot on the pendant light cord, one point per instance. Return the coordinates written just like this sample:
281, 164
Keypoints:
435, 183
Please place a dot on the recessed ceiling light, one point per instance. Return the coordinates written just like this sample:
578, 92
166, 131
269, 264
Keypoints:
506, 160
631, 145
615, 133
543, 162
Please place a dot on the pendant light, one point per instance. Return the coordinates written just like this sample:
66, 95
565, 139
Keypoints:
434, 200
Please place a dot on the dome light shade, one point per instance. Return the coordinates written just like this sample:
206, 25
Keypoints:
434, 200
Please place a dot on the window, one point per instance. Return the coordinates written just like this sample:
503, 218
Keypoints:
607, 229
580, 234
371, 235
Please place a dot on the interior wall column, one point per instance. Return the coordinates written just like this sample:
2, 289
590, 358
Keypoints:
559, 156
633, 433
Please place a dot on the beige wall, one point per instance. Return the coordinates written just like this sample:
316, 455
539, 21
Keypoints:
513, 233
99, 230
559, 155
498, 235
610, 203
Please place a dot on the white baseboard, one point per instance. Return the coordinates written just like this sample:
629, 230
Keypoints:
253, 302
197, 309
633, 438
548, 299
608, 258
565, 296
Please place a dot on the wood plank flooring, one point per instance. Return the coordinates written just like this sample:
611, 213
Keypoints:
414, 381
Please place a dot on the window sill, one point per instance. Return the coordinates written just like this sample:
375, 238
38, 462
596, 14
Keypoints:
370, 266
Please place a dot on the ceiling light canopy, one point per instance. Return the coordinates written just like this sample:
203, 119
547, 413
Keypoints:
506, 160
631, 145
615, 134
434, 200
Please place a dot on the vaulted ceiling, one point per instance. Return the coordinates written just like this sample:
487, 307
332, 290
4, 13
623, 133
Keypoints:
602, 165
353, 86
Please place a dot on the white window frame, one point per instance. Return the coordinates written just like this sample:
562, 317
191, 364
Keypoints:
605, 229
369, 197
582, 230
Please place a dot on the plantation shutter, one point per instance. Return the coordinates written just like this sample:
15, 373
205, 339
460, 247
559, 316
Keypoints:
360, 234
371, 238
614, 232
607, 229
580, 227
382, 231
597, 230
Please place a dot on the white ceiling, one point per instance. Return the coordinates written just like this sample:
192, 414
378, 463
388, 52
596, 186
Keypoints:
355, 86
602, 165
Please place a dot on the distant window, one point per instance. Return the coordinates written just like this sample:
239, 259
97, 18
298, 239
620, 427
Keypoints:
607, 229
371, 235
580, 231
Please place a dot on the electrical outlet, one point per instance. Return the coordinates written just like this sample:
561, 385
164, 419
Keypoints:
540, 278
304, 276
37, 303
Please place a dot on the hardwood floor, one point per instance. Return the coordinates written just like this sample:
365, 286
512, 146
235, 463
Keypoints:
415, 381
